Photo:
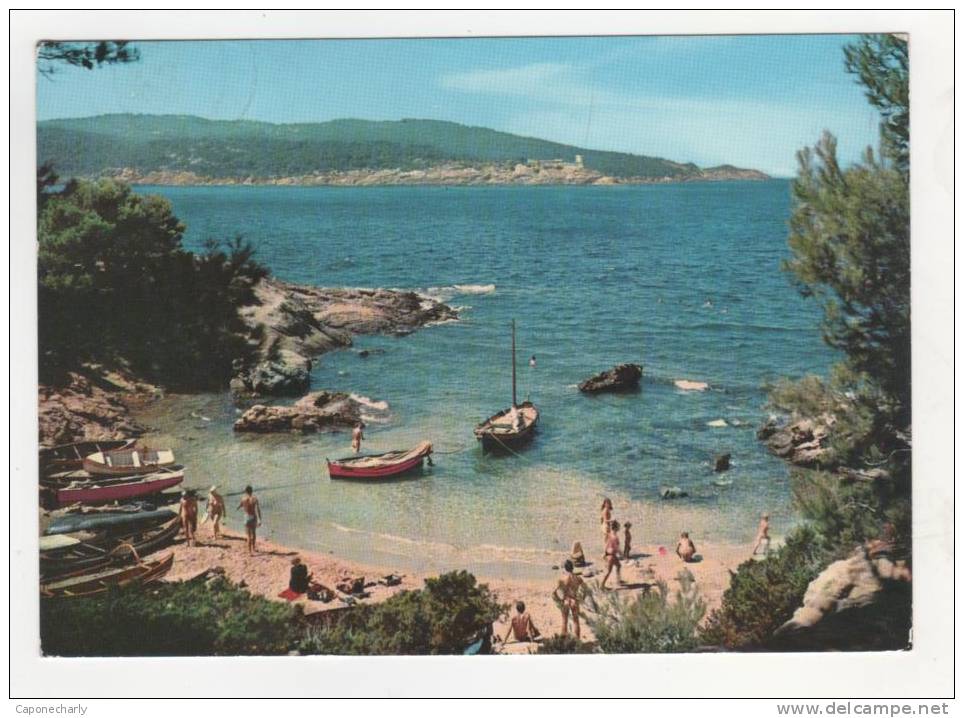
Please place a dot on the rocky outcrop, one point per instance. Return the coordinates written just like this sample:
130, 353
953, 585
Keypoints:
803, 442
290, 324
451, 173
859, 603
721, 462
622, 377
318, 411
92, 404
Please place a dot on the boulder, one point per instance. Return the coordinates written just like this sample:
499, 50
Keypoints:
622, 377
803, 442
318, 411
858, 603
721, 462
672, 492
688, 385
86, 406
289, 373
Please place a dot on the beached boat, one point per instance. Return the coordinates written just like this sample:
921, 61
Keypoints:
71, 456
511, 428
98, 583
380, 466
109, 521
66, 555
127, 461
100, 492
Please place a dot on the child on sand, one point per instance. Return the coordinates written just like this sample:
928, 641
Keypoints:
685, 548
577, 556
627, 540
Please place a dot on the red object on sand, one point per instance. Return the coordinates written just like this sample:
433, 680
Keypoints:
662, 550
290, 595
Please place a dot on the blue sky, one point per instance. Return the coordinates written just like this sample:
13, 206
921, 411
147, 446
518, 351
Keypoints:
751, 101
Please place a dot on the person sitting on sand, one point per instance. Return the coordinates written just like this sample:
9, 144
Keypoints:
685, 548
252, 510
612, 555
300, 579
567, 594
577, 556
627, 540
521, 626
762, 536
356, 437
188, 513
215, 510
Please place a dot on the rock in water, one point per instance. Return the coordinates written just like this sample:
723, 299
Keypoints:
672, 492
722, 462
318, 411
687, 385
717, 423
621, 377
804, 442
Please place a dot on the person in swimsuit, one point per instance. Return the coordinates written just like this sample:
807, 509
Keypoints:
612, 555
627, 540
685, 548
188, 513
762, 536
532, 361
606, 516
215, 510
356, 437
252, 510
521, 626
568, 594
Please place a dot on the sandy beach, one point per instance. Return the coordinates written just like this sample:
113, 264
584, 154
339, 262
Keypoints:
266, 574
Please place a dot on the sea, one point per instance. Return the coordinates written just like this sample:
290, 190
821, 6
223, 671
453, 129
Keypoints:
683, 279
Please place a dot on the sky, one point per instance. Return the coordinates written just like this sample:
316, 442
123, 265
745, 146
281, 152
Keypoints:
751, 101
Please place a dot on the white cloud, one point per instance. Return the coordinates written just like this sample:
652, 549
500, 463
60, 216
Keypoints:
523, 80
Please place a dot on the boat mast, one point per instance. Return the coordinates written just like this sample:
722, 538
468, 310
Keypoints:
513, 363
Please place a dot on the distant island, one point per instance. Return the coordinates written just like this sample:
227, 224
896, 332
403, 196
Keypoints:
187, 150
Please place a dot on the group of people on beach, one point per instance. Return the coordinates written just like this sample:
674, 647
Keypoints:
216, 512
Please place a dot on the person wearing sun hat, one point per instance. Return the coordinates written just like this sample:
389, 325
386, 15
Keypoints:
216, 510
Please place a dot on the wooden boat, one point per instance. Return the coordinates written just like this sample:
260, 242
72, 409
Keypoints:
380, 466
128, 462
511, 428
94, 584
67, 457
86, 552
94, 492
107, 521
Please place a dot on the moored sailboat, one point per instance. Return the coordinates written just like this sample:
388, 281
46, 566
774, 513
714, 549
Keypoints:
513, 427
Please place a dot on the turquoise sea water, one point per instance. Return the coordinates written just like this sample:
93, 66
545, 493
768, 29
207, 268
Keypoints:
683, 279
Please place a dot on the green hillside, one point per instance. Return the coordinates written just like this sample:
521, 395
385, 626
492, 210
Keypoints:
215, 148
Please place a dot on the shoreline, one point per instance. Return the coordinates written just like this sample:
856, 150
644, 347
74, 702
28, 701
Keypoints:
266, 574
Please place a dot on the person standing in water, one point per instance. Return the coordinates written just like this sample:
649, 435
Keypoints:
356, 437
567, 594
762, 536
252, 510
532, 361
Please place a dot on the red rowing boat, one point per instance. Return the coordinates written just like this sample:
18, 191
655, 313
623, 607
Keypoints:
94, 492
380, 466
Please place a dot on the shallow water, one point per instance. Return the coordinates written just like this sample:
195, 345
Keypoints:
683, 279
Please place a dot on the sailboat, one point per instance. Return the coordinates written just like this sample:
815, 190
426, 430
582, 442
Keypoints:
513, 427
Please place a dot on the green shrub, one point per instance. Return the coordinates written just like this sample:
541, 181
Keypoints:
764, 594
649, 622
171, 619
560, 644
446, 616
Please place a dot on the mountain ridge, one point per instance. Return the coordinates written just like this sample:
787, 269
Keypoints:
205, 151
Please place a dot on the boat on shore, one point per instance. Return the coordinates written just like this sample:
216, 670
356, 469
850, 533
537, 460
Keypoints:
380, 466
109, 521
95, 491
511, 428
73, 554
67, 457
127, 461
86, 585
